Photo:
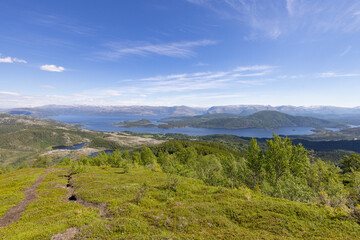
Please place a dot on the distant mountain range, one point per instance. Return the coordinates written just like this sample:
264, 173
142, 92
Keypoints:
324, 112
54, 110
314, 111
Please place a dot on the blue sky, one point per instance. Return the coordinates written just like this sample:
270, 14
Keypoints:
180, 52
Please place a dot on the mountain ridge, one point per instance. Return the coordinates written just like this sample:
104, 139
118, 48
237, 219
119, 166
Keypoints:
327, 112
262, 119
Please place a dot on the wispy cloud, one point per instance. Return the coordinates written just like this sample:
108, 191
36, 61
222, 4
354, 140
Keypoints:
175, 49
10, 93
346, 51
291, 6
196, 88
335, 75
52, 68
326, 17
254, 68
273, 19
263, 17
243, 75
11, 60
60, 23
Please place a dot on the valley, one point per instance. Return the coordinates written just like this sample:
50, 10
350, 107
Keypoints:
111, 185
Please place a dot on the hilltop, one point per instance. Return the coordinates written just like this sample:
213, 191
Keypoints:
262, 119
143, 204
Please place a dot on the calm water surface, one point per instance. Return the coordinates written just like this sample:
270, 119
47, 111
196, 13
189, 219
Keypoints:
103, 123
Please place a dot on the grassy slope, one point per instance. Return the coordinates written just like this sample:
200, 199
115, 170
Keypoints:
194, 210
12, 187
145, 206
51, 213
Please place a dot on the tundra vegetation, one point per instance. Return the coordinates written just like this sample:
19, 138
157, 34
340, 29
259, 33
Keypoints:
190, 190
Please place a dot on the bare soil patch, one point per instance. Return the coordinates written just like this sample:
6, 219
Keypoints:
127, 140
60, 153
68, 235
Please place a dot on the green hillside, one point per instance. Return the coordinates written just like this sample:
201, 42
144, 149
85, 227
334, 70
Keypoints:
22, 137
143, 204
263, 119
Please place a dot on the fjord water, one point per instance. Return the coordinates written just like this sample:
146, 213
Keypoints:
103, 123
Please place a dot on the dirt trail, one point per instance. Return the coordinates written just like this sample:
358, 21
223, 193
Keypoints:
15, 212
70, 233
71, 197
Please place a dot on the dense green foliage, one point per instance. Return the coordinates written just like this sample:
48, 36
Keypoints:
281, 169
327, 150
350, 145
351, 163
152, 205
102, 143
